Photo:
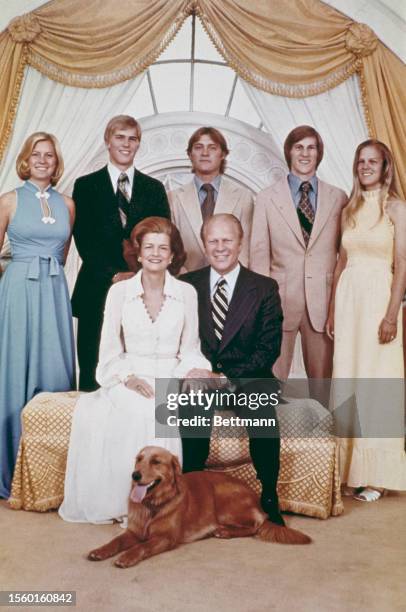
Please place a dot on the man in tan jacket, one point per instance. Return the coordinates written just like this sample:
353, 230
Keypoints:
295, 240
207, 194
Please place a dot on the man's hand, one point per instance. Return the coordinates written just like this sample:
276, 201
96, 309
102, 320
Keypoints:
199, 373
203, 379
120, 276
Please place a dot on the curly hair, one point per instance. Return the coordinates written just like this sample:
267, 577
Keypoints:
154, 225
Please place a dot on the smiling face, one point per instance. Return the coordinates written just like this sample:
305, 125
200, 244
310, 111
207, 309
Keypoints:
206, 157
303, 158
370, 168
122, 146
223, 244
42, 163
155, 253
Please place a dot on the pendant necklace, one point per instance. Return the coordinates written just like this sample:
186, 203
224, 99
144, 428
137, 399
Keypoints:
47, 217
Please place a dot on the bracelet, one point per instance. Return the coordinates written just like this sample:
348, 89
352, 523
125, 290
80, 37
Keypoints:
127, 378
389, 322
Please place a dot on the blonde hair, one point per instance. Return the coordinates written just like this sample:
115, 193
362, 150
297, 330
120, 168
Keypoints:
387, 181
121, 122
22, 167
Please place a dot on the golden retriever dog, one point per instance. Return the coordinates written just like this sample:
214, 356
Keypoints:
167, 509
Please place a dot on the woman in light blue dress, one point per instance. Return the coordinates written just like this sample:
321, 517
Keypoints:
36, 336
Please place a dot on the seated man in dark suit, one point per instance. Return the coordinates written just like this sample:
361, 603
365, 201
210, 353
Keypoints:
109, 203
240, 326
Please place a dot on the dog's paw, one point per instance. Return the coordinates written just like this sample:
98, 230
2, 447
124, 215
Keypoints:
222, 532
97, 555
125, 560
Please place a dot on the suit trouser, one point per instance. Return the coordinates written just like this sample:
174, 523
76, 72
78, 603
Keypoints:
317, 351
88, 341
264, 443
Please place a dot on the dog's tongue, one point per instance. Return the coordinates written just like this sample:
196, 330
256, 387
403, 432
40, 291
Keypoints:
138, 493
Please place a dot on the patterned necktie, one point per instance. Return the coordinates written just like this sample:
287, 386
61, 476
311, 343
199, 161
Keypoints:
123, 197
219, 308
208, 202
305, 211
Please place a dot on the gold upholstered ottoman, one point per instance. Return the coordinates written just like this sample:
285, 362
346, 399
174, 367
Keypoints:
308, 478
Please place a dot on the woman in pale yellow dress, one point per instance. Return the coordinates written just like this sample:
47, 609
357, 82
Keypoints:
365, 322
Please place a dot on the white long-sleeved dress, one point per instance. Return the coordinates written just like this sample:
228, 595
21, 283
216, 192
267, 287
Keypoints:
112, 424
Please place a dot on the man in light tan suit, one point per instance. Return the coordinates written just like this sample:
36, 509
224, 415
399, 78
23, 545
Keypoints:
207, 194
295, 240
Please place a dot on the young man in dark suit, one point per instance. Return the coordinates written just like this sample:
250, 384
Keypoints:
109, 203
240, 327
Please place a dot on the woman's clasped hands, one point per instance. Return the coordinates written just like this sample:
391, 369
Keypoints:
139, 385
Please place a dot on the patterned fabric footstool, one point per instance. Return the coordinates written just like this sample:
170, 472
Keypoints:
308, 479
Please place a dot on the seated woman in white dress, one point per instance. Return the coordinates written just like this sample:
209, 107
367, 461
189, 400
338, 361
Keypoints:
150, 330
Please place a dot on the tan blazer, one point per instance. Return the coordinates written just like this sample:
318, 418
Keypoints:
278, 250
187, 216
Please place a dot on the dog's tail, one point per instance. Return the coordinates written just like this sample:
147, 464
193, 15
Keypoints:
270, 532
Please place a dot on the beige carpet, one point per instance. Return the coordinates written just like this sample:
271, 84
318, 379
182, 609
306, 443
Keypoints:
357, 562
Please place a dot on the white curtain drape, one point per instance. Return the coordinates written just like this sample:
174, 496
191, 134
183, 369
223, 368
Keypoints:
77, 117
337, 115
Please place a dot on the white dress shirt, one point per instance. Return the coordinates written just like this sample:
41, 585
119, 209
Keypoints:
230, 278
114, 173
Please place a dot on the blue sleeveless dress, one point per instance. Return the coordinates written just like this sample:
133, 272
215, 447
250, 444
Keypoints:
36, 334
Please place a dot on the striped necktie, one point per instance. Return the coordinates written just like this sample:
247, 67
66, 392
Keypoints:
123, 197
305, 211
219, 308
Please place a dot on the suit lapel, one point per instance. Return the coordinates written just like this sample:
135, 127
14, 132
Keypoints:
243, 300
227, 198
205, 316
324, 208
108, 197
283, 201
133, 199
192, 211
104, 185
136, 203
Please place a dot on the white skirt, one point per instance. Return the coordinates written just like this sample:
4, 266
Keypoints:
109, 428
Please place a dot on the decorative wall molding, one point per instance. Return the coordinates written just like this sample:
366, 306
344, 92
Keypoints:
254, 160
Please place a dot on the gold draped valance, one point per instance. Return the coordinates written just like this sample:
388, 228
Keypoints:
293, 48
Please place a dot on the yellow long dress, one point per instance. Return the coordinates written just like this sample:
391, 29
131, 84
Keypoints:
362, 297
